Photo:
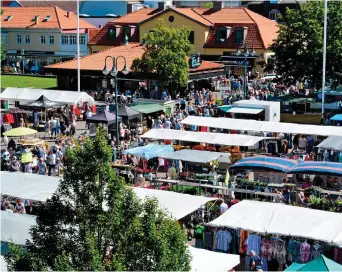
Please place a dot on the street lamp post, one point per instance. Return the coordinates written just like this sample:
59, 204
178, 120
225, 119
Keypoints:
114, 73
246, 54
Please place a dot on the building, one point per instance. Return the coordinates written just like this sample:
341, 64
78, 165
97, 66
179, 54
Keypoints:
64, 4
92, 65
216, 33
272, 9
38, 36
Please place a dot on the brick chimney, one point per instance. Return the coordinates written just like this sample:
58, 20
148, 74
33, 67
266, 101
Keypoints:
218, 5
161, 5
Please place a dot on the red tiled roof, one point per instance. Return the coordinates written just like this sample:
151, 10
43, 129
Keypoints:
137, 16
24, 18
234, 15
95, 62
101, 38
92, 33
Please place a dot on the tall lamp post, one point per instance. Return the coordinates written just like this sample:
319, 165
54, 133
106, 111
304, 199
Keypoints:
246, 54
114, 73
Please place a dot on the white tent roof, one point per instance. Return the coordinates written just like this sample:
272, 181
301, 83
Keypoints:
252, 125
332, 142
178, 205
63, 97
15, 227
39, 188
203, 137
28, 186
205, 260
244, 110
197, 156
3, 264
274, 218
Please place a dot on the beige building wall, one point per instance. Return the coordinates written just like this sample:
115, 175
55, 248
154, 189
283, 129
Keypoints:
35, 40
200, 31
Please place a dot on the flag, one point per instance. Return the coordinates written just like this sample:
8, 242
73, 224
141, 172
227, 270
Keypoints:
227, 178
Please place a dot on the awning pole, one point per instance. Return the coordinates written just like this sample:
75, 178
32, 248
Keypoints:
324, 54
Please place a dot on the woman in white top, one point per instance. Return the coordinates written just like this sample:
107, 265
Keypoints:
19, 207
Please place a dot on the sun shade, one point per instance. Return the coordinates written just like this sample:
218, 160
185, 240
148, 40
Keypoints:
20, 131
332, 142
149, 151
244, 110
265, 163
318, 167
203, 137
196, 156
267, 126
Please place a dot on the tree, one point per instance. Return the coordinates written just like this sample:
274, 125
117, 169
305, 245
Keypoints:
3, 48
166, 52
93, 222
299, 46
208, 4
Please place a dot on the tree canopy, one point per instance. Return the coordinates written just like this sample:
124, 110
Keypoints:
166, 52
299, 46
93, 222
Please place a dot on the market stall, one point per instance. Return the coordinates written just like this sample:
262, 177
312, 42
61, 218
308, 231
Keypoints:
197, 156
149, 151
128, 114
267, 126
274, 218
332, 142
317, 167
321, 263
203, 137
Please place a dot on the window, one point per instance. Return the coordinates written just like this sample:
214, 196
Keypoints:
27, 39
273, 14
65, 39
221, 35
51, 39
19, 39
127, 33
42, 40
112, 34
192, 37
4, 37
171, 19
239, 36
82, 39
73, 39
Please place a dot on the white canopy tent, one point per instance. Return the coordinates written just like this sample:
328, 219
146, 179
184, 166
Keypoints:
3, 264
39, 188
203, 137
245, 110
205, 260
332, 142
15, 227
29, 95
28, 186
275, 218
197, 156
178, 205
267, 126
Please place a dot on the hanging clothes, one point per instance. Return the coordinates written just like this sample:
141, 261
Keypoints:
304, 252
253, 242
267, 248
223, 238
279, 251
209, 239
293, 251
316, 250
243, 238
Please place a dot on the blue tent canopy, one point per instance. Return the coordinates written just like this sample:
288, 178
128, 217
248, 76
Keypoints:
336, 117
265, 163
149, 151
318, 167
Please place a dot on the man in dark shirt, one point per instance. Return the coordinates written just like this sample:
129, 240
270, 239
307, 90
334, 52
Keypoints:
318, 181
255, 262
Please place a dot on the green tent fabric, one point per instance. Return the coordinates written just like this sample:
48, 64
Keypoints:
148, 108
321, 263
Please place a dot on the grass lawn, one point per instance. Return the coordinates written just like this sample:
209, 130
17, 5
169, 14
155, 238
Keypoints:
27, 82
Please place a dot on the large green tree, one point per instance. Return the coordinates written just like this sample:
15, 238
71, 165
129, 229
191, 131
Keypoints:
166, 52
299, 46
93, 222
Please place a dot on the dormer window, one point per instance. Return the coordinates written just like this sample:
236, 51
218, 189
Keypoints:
112, 34
239, 37
8, 18
127, 33
222, 34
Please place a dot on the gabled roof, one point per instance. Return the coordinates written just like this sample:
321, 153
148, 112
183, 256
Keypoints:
189, 13
95, 62
24, 18
138, 16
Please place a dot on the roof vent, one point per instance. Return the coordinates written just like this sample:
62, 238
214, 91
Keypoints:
35, 19
8, 18
47, 18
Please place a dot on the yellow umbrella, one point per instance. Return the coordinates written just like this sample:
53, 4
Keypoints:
31, 141
20, 131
